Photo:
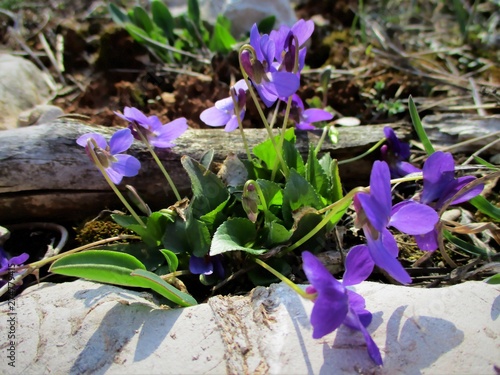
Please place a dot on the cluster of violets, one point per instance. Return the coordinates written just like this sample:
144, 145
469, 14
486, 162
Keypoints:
272, 65
418, 216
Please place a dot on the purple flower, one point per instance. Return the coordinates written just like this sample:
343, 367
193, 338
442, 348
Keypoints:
116, 164
6, 262
395, 153
270, 83
285, 46
440, 185
223, 113
206, 265
336, 305
305, 118
375, 213
158, 134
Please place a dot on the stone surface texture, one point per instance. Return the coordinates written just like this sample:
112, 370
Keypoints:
87, 328
22, 86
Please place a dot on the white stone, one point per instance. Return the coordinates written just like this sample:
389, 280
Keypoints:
87, 328
22, 86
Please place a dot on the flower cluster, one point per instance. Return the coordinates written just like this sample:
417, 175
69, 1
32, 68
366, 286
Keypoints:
272, 62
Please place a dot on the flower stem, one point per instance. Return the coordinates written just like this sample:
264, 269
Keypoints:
334, 209
158, 162
282, 135
259, 109
285, 279
373, 148
240, 125
111, 184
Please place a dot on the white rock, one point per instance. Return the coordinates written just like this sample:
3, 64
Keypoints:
243, 13
86, 328
22, 86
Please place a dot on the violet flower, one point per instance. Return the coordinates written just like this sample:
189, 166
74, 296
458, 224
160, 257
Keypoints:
305, 118
270, 83
206, 265
440, 185
6, 262
285, 48
223, 112
395, 153
116, 164
375, 213
336, 305
157, 134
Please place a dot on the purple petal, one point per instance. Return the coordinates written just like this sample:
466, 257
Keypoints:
267, 97
305, 126
384, 258
328, 314
214, 117
303, 30
169, 132
255, 42
358, 265
438, 171
358, 305
232, 124
380, 184
428, 241
18, 260
377, 214
240, 85
404, 168
98, 138
414, 218
373, 349
113, 175
200, 266
126, 165
315, 115
458, 184
133, 114
282, 84
120, 141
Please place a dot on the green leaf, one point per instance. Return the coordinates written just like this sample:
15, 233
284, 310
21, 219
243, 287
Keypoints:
142, 20
315, 174
292, 157
155, 226
206, 186
486, 207
465, 246
235, 234
265, 150
272, 192
481, 161
193, 12
175, 237
100, 265
136, 32
306, 224
222, 41
207, 158
117, 15
172, 260
198, 237
298, 193
163, 18
266, 25
495, 279
160, 286
149, 256
419, 128
277, 234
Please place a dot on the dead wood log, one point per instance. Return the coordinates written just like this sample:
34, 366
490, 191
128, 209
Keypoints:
45, 175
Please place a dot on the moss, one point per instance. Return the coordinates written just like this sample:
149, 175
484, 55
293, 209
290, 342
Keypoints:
97, 230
